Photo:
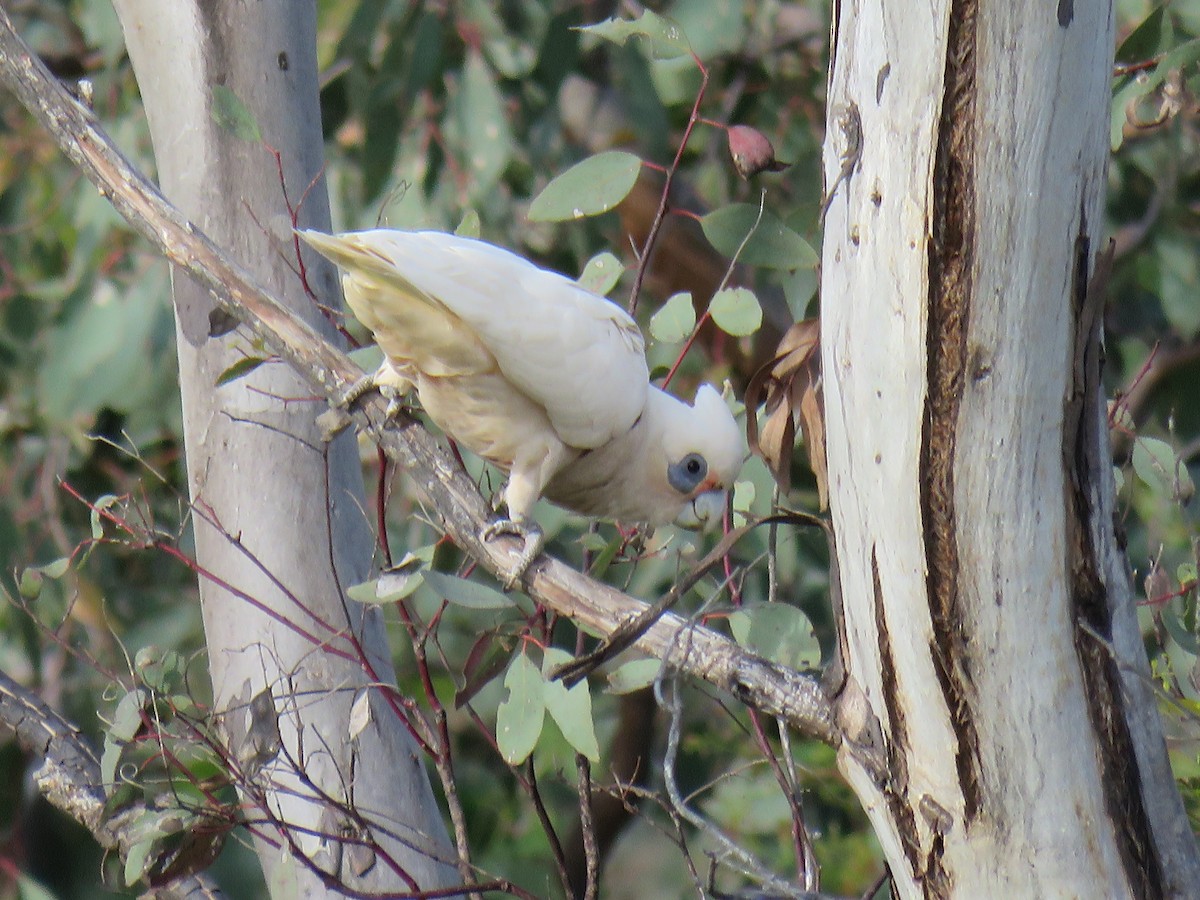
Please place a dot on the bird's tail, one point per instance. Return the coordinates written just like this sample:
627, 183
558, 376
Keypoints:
355, 255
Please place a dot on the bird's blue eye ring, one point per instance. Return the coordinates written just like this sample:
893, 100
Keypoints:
687, 474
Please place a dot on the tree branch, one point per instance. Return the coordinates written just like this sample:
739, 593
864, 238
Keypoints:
69, 778
692, 649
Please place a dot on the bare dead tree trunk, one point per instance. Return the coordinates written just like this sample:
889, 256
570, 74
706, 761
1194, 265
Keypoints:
280, 517
990, 638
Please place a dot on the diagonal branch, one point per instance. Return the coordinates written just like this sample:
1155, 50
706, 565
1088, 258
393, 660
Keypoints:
69, 778
692, 649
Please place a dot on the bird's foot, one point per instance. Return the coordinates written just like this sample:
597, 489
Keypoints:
368, 383
337, 418
529, 533
358, 390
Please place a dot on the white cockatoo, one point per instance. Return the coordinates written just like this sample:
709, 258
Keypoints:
539, 376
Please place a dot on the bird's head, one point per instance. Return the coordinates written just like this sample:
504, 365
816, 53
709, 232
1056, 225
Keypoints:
703, 449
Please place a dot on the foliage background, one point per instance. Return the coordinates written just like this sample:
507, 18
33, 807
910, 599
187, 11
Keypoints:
434, 110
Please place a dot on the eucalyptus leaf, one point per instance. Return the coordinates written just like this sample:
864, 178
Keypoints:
137, 861
663, 38
521, 714
1179, 632
469, 226
675, 321
736, 311
779, 632
1156, 463
29, 889
601, 273
633, 675
127, 720
482, 126
771, 243
243, 366
571, 708
97, 519
470, 594
588, 188
56, 569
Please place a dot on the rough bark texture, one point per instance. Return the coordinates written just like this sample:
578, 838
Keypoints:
282, 514
989, 613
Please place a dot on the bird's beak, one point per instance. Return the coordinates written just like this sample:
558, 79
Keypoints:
704, 511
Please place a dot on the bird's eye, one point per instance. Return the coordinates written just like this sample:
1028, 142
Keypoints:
686, 474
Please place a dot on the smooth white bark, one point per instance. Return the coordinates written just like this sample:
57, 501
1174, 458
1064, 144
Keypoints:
999, 785
257, 463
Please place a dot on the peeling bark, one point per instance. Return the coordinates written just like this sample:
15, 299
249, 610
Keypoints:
988, 618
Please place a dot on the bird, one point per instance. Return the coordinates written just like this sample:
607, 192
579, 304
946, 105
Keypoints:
539, 376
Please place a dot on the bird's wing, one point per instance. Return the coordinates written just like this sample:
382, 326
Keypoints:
579, 356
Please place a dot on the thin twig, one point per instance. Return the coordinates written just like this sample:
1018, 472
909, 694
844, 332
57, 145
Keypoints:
587, 827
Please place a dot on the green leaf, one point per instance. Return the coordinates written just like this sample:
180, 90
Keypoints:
364, 592
1156, 463
675, 321
243, 366
398, 582
32, 578
779, 632
601, 273
100, 355
593, 541
109, 760
137, 861
394, 584
663, 38
1144, 41
56, 569
159, 670
367, 358
470, 594
605, 556
232, 115
469, 226
633, 675
1178, 273
1179, 632
521, 714
127, 720
29, 586
102, 503
744, 495
588, 188
772, 244
736, 311
571, 708
487, 658
513, 56
1186, 573
1135, 87
28, 889
482, 126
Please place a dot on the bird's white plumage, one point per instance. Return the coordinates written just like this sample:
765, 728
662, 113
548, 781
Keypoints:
529, 320
538, 375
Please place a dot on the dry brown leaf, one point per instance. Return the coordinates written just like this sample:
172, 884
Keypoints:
789, 385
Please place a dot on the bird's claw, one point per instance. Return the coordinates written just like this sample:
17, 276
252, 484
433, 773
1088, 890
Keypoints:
337, 418
357, 391
529, 533
364, 386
